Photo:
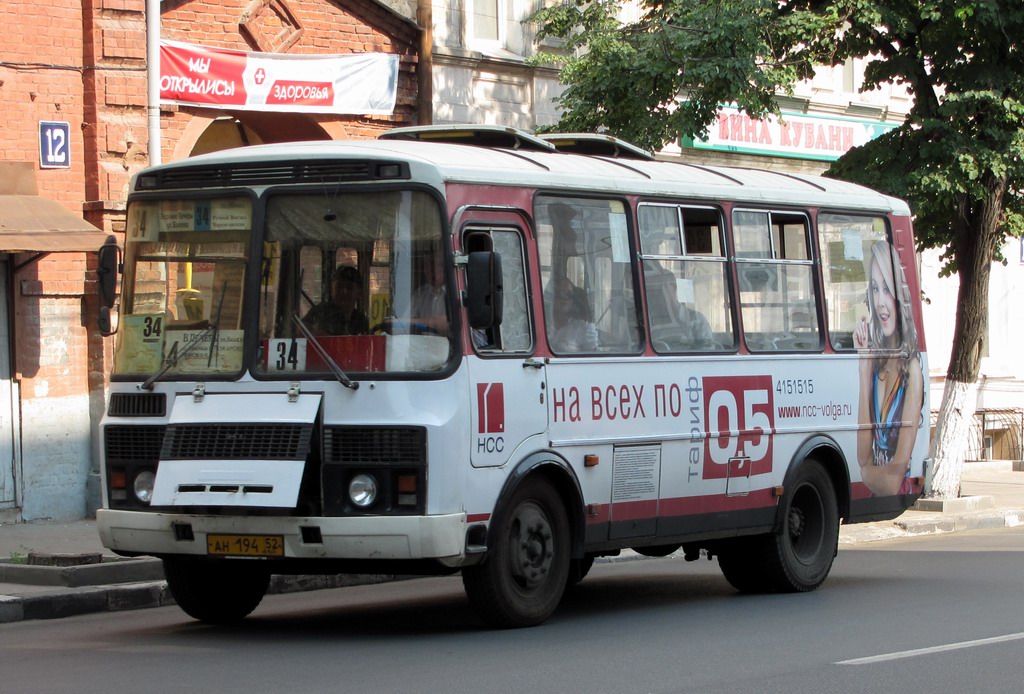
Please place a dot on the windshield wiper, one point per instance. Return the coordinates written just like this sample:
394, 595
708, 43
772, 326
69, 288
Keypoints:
213, 330
328, 359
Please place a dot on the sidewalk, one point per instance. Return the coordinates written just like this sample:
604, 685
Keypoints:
993, 497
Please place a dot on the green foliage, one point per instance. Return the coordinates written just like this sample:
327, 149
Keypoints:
664, 76
627, 79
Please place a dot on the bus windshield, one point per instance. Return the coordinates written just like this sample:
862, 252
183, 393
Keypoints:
185, 274
353, 278
357, 279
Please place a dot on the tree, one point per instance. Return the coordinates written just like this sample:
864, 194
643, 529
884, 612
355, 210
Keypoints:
957, 159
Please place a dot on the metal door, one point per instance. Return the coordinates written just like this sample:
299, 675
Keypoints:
8, 398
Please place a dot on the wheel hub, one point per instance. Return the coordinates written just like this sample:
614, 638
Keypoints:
796, 522
532, 548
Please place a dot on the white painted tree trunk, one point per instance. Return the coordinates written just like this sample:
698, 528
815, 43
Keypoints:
951, 438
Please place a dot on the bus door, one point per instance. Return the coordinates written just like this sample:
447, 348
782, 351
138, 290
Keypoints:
507, 384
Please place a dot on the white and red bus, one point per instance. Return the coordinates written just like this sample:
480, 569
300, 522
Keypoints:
474, 349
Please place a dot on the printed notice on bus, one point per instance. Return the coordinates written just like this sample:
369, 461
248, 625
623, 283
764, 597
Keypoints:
141, 347
194, 352
636, 471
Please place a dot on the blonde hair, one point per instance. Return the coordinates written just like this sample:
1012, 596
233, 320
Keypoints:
895, 280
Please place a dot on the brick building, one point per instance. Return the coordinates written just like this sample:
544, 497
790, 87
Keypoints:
73, 113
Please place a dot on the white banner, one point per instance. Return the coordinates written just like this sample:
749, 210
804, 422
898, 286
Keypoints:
354, 84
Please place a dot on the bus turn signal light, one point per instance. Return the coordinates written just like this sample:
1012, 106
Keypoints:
590, 460
118, 484
407, 490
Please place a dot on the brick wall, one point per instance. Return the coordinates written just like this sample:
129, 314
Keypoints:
38, 34
347, 26
120, 131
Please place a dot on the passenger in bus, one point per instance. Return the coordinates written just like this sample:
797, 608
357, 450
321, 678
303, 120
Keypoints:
675, 324
340, 315
697, 335
891, 382
571, 329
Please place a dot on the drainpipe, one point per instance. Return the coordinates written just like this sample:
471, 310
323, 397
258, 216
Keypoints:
153, 79
425, 67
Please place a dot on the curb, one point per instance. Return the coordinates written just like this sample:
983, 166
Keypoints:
106, 572
933, 524
58, 604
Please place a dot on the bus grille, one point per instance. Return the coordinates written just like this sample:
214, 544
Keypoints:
237, 442
137, 405
133, 443
375, 446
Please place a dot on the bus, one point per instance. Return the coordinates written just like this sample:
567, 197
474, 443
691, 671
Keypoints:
475, 349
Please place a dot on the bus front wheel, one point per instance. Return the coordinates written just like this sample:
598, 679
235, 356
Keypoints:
527, 568
797, 557
216, 592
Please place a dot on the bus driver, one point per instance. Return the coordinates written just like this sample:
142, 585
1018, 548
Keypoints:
571, 329
340, 315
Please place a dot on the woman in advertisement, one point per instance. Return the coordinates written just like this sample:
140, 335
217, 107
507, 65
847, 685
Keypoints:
891, 382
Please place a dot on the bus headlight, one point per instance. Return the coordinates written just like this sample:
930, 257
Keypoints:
362, 490
143, 486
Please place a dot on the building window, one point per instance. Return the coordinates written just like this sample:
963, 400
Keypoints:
849, 76
485, 21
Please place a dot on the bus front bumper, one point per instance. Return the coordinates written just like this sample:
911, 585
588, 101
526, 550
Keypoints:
441, 537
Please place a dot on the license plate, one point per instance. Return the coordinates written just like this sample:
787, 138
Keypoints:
246, 545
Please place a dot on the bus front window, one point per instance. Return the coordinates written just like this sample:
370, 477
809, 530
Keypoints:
185, 273
357, 279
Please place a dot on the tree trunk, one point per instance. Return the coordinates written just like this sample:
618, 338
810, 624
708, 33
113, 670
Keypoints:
976, 233
952, 435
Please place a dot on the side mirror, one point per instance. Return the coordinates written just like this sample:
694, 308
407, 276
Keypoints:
484, 289
107, 270
104, 322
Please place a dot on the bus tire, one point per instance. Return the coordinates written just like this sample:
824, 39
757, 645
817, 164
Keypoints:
798, 557
215, 592
527, 567
579, 568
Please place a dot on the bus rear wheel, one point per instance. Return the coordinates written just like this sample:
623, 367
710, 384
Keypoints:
527, 568
797, 557
216, 592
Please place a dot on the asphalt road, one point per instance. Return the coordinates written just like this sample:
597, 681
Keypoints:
937, 614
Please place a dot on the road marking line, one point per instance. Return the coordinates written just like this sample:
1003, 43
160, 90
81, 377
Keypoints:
934, 649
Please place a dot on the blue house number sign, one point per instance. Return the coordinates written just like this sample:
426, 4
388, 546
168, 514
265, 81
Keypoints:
54, 144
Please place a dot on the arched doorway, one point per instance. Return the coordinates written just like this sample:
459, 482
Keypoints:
225, 130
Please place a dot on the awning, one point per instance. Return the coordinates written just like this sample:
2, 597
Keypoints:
30, 223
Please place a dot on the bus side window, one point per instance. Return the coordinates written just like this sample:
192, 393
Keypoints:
778, 303
587, 275
515, 333
846, 242
688, 303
